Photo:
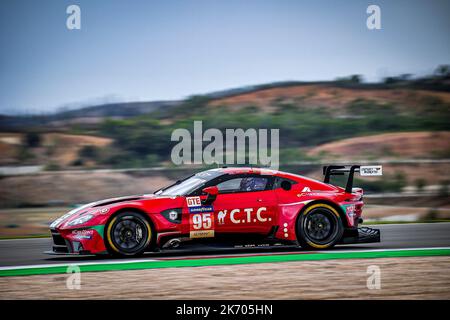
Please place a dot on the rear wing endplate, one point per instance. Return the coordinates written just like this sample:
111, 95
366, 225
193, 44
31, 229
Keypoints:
329, 171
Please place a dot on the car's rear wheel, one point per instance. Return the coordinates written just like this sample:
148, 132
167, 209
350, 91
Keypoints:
128, 234
319, 227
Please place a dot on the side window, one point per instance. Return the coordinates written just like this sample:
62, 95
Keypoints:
232, 185
253, 184
244, 184
278, 181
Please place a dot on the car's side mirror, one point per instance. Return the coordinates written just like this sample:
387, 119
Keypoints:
286, 185
212, 193
211, 190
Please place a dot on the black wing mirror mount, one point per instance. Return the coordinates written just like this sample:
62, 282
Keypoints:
212, 193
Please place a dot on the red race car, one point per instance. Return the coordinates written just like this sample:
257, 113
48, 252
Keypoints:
225, 205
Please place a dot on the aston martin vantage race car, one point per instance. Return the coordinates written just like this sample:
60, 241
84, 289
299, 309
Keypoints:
233, 205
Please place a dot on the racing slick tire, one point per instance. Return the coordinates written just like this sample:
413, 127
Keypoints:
128, 234
319, 227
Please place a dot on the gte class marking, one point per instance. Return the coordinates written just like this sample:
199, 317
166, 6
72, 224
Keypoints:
250, 215
193, 202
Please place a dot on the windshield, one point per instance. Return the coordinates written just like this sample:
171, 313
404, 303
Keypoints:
186, 186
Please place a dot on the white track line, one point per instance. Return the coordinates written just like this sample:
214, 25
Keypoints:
380, 250
154, 260
74, 264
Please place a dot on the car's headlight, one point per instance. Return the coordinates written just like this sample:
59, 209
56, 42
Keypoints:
81, 220
61, 219
69, 214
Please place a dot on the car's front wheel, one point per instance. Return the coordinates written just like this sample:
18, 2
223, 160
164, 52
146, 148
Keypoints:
128, 234
319, 227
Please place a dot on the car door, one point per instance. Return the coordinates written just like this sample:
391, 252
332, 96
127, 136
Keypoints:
245, 204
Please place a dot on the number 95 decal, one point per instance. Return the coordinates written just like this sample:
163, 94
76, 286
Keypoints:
201, 225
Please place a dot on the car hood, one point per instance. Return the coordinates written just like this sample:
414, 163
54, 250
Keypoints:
97, 206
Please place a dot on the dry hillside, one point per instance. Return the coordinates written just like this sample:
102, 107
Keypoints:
328, 96
413, 145
55, 148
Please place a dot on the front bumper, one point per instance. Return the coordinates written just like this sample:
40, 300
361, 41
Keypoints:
76, 242
64, 246
60, 245
363, 235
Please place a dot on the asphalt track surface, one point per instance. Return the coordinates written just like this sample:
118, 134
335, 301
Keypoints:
23, 252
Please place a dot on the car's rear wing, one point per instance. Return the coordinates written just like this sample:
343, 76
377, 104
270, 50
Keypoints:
329, 171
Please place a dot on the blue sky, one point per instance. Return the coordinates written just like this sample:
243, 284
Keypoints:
157, 50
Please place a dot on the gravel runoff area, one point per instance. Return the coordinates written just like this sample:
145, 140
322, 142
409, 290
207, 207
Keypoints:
401, 278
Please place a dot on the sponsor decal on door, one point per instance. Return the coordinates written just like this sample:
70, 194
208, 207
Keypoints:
201, 219
254, 215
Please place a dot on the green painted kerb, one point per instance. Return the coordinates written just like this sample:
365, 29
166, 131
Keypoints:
229, 261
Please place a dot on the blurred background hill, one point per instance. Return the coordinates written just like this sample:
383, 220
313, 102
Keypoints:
115, 149
345, 119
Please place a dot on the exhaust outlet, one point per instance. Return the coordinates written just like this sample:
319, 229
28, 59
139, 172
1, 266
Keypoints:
172, 243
